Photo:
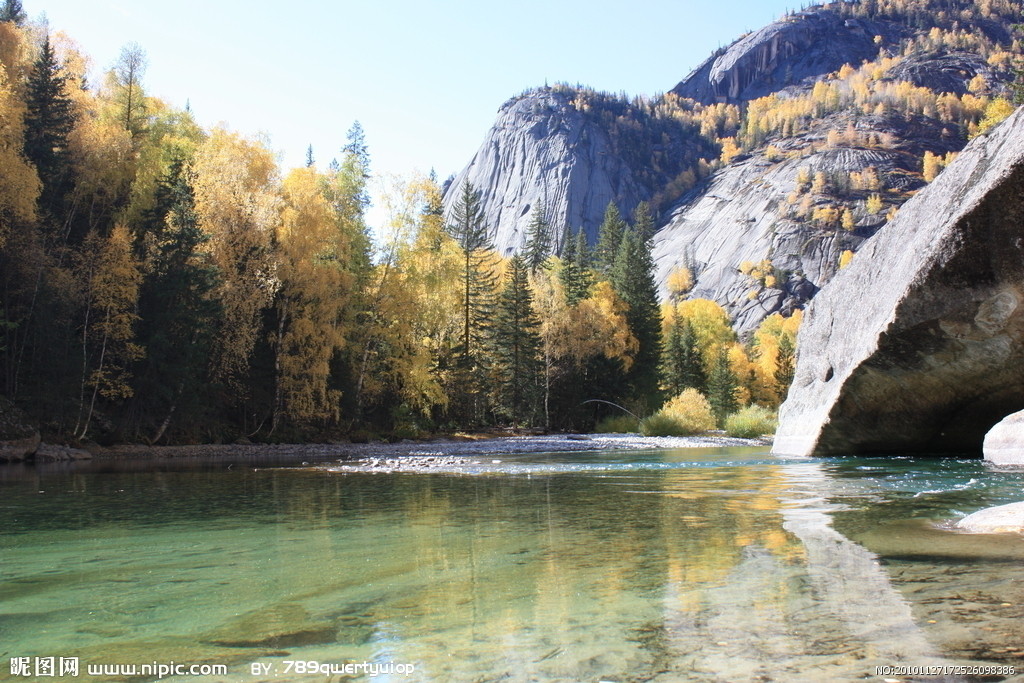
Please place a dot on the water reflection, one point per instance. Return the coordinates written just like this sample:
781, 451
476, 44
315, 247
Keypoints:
671, 566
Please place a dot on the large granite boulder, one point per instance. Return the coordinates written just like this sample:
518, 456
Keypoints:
916, 346
1004, 444
19, 438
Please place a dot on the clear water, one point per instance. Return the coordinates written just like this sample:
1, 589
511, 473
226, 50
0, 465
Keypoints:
704, 565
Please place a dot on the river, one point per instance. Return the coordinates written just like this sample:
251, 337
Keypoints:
713, 564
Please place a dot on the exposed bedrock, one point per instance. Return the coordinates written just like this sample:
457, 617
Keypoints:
803, 46
916, 347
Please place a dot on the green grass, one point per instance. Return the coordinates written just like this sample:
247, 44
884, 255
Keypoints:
751, 422
617, 424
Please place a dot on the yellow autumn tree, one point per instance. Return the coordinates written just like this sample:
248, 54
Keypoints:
398, 357
767, 345
679, 282
930, 166
19, 184
314, 290
237, 205
710, 323
995, 113
109, 329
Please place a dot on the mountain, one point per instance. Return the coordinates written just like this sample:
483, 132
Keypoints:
775, 156
571, 150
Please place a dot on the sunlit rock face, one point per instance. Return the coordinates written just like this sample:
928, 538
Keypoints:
557, 149
803, 46
917, 345
1004, 444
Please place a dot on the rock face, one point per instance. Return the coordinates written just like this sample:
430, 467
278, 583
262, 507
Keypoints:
19, 439
553, 146
745, 213
550, 148
1004, 444
915, 347
785, 52
1004, 519
541, 150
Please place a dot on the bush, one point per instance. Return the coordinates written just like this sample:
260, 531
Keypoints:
691, 411
661, 424
750, 422
617, 424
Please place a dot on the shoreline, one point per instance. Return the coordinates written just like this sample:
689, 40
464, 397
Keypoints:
504, 445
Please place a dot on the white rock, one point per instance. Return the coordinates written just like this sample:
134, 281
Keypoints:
1004, 443
1002, 519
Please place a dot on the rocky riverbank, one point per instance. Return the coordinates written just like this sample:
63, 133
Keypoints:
438, 449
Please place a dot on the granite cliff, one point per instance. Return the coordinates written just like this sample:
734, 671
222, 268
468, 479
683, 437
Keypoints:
866, 82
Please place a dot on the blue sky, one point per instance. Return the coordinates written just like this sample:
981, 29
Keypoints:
425, 78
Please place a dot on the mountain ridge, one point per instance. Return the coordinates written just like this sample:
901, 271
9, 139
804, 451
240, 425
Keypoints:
843, 90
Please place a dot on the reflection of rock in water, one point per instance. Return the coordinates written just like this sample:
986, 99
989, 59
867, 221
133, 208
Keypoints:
833, 615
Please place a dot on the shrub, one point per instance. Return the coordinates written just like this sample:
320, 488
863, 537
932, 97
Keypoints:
691, 410
661, 424
750, 422
618, 424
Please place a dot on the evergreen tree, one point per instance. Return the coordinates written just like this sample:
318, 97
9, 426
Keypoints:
632, 277
609, 236
785, 365
722, 387
682, 366
575, 275
563, 242
538, 240
643, 221
310, 160
12, 11
48, 123
469, 231
179, 315
517, 345
583, 255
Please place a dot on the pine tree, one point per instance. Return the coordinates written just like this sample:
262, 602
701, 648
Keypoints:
632, 277
784, 365
517, 346
178, 312
538, 240
310, 159
609, 235
13, 11
682, 365
643, 221
469, 231
574, 274
48, 123
722, 387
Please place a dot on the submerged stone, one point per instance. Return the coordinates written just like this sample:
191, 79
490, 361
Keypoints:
284, 625
1003, 519
916, 346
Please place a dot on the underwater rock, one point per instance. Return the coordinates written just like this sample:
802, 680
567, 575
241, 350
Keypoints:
284, 625
1002, 519
916, 346
1004, 444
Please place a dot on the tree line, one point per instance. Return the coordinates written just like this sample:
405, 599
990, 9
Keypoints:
163, 282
